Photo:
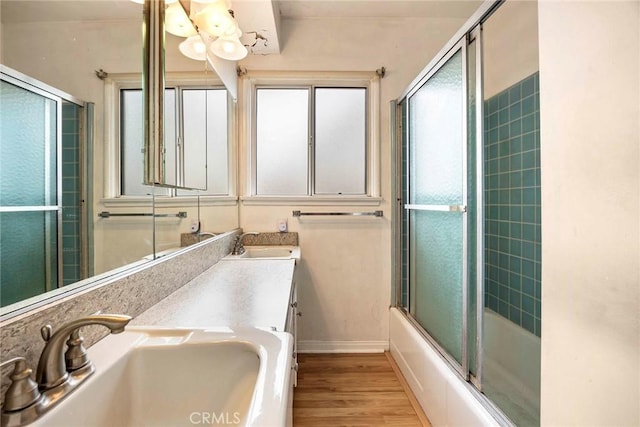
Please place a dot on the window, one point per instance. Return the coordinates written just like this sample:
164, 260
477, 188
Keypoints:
314, 140
282, 134
196, 123
340, 140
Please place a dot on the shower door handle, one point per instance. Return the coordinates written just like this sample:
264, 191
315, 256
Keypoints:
438, 208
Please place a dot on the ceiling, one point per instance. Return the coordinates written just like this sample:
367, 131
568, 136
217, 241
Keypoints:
106, 10
257, 18
461, 9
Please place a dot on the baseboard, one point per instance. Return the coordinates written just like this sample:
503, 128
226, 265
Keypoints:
342, 346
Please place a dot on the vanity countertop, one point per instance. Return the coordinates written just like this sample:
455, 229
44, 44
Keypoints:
239, 293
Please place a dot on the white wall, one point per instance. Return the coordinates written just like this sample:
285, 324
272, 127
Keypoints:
510, 45
344, 284
590, 115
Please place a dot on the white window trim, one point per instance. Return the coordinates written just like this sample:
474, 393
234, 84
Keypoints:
370, 80
112, 156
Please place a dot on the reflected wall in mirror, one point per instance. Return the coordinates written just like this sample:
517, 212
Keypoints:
82, 49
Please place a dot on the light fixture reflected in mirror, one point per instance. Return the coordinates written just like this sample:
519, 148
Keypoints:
193, 47
211, 27
177, 22
215, 19
229, 47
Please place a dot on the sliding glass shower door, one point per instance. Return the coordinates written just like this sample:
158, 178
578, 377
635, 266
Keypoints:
437, 204
468, 216
43, 217
29, 203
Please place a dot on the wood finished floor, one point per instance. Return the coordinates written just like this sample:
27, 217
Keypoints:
352, 390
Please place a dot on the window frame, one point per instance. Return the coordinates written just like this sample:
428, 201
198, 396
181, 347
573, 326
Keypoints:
253, 81
112, 184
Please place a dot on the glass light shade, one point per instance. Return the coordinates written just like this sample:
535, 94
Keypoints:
215, 19
194, 48
229, 47
177, 22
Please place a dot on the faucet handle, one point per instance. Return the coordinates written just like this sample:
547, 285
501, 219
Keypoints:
46, 332
76, 356
23, 391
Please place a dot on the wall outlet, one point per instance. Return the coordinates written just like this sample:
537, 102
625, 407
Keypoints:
282, 225
195, 226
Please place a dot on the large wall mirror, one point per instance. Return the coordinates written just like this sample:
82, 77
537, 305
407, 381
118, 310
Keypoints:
73, 205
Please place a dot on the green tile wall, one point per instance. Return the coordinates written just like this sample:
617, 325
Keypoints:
71, 199
512, 204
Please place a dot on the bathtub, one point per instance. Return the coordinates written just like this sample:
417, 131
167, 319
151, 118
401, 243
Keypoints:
446, 399
511, 379
508, 378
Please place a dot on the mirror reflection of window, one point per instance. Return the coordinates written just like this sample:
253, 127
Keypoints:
205, 133
132, 144
196, 142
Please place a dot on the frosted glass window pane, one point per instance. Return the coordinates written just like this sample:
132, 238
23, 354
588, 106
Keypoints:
170, 138
282, 137
435, 132
436, 276
194, 116
28, 150
132, 145
211, 139
340, 140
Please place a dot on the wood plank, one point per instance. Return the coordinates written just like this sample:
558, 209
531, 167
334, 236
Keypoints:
341, 421
351, 390
355, 403
304, 395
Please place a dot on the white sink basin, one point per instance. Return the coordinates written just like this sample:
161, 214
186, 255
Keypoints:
267, 252
182, 377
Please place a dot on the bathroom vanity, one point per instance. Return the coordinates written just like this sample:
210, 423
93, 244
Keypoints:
240, 312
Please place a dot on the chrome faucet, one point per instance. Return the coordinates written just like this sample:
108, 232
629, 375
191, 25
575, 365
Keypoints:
238, 248
59, 372
52, 371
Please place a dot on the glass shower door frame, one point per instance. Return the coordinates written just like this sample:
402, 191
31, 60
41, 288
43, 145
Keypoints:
475, 35
463, 367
